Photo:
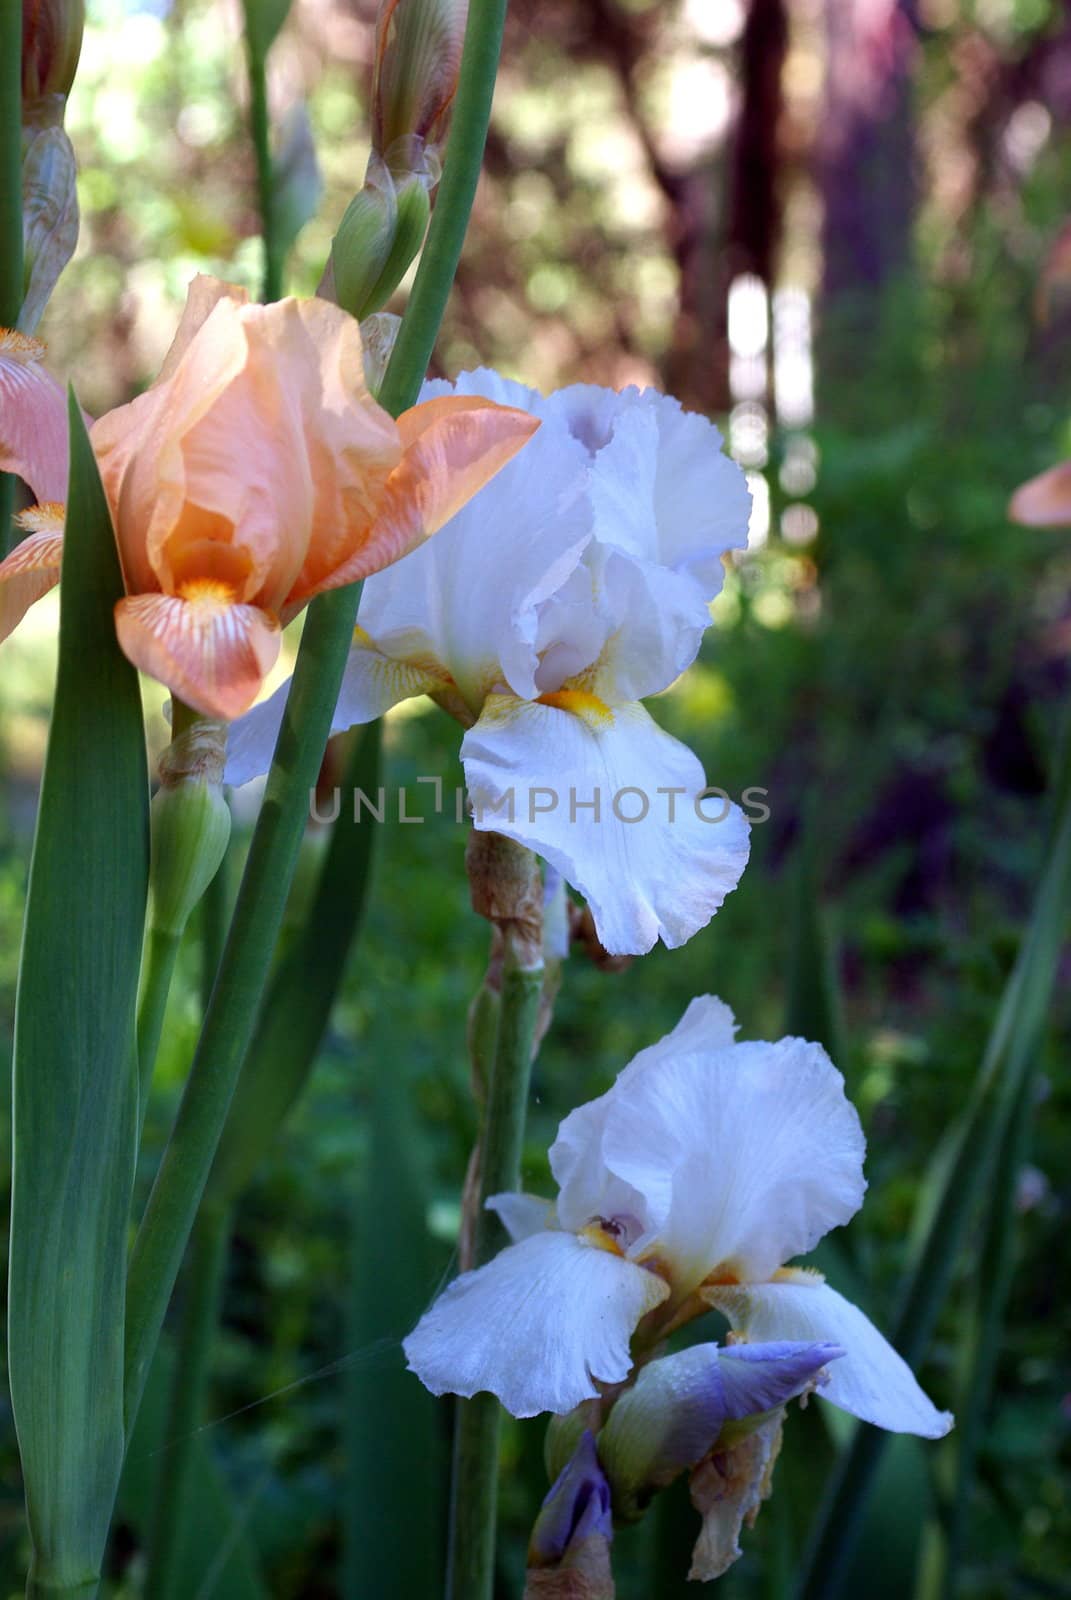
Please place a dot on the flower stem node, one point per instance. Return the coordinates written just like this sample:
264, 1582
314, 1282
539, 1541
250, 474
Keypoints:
191, 824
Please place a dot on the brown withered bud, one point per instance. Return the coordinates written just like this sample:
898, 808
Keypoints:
507, 889
51, 44
582, 932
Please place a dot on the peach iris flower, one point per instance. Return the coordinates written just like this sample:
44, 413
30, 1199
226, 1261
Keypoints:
255, 473
1044, 501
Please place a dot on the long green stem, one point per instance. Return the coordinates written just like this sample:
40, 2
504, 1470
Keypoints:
260, 129
11, 285
158, 968
203, 1280
273, 853
1002, 1079
474, 1487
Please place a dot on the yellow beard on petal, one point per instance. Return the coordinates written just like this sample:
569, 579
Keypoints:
809, 1275
207, 591
588, 707
20, 347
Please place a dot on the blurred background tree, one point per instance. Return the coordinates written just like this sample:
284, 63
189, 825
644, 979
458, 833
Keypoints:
823, 221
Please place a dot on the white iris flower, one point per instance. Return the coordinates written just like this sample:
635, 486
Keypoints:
689, 1184
576, 584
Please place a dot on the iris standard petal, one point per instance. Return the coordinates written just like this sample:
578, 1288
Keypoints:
744, 1157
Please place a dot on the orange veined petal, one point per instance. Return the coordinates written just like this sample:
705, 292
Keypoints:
454, 445
33, 567
33, 417
1044, 501
211, 651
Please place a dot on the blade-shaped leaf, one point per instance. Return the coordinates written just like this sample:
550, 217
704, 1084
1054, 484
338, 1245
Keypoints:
75, 1069
963, 1172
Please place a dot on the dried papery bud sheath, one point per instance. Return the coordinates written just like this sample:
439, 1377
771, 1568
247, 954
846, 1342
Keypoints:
378, 333
727, 1489
418, 56
191, 824
506, 888
51, 44
569, 1551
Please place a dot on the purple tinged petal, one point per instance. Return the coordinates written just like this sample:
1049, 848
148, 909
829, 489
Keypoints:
576, 1509
759, 1377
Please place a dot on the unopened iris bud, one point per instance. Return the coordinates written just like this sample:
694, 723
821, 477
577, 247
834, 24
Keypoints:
569, 1552
191, 824
51, 44
684, 1406
418, 57
377, 240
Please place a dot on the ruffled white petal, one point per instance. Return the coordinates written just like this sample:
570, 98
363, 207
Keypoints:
663, 874
468, 600
743, 1158
661, 487
371, 684
653, 620
871, 1380
522, 1214
536, 1326
576, 1156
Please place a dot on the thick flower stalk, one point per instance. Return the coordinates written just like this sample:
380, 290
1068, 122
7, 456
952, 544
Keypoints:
578, 584
689, 1185
255, 473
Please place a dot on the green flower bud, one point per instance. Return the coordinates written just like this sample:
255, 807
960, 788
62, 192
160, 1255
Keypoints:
378, 239
191, 824
364, 241
411, 224
564, 1434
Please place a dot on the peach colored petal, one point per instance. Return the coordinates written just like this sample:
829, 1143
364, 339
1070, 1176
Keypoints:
455, 445
33, 417
353, 445
33, 567
1044, 501
202, 297
212, 653
139, 446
